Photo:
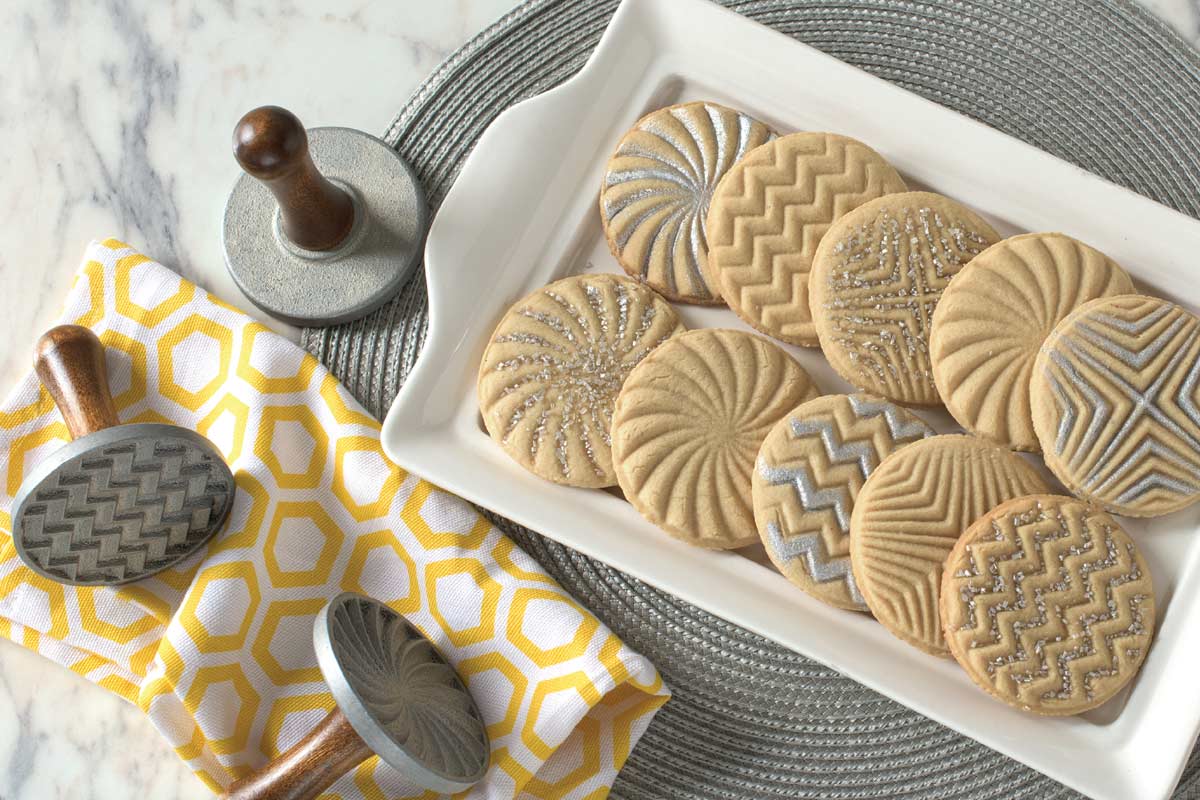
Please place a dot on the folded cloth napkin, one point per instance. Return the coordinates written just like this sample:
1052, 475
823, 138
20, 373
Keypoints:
218, 652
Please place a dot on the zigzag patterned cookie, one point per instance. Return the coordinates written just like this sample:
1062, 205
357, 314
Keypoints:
657, 189
768, 215
993, 318
1048, 605
1115, 394
810, 468
908, 516
876, 279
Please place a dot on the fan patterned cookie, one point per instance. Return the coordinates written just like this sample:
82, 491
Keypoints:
1115, 393
768, 215
657, 188
993, 318
810, 468
876, 279
1048, 605
688, 425
551, 373
908, 516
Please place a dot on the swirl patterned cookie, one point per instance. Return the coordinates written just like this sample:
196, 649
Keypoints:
550, 375
657, 189
810, 469
1048, 605
876, 279
688, 425
908, 516
1116, 404
993, 318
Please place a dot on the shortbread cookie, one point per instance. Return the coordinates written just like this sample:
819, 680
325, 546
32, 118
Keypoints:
810, 469
1048, 605
552, 370
1115, 397
657, 188
688, 425
993, 318
908, 515
768, 215
876, 279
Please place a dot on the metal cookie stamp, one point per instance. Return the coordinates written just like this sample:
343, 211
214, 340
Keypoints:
326, 225
120, 502
396, 698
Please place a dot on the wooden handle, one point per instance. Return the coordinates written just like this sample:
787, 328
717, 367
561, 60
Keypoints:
310, 767
69, 360
271, 145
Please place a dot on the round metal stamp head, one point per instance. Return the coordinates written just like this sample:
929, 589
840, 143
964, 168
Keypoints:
399, 694
121, 504
371, 264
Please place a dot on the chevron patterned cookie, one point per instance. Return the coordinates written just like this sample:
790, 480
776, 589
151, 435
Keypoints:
1048, 605
993, 318
809, 471
768, 215
657, 189
1114, 396
876, 279
688, 425
550, 375
908, 516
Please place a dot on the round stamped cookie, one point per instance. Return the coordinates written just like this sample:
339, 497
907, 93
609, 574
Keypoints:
809, 471
1048, 605
876, 279
908, 516
768, 215
552, 370
1114, 395
657, 188
688, 425
993, 318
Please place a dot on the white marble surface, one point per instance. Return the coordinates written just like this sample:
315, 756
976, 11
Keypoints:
115, 120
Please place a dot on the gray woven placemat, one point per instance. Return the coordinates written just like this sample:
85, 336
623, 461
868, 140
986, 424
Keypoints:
1098, 82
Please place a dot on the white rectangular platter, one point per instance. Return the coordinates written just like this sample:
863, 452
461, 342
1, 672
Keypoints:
523, 212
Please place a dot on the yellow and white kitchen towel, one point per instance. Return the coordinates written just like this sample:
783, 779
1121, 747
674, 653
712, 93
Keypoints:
218, 652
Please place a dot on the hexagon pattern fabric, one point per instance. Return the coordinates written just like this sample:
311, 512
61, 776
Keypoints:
218, 652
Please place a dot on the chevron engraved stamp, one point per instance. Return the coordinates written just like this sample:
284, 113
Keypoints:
810, 469
768, 215
1048, 605
1115, 394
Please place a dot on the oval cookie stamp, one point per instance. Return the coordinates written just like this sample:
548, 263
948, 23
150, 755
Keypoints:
993, 318
809, 471
1115, 394
1048, 605
688, 425
908, 516
770, 212
552, 370
877, 276
657, 188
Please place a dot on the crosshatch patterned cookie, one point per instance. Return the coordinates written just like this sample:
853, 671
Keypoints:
688, 425
1048, 605
552, 370
993, 318
908, 516
768, 215
657, 189
1115, 393
876, 279
810, 469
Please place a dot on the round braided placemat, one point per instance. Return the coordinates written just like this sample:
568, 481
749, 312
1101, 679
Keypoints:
1098, 82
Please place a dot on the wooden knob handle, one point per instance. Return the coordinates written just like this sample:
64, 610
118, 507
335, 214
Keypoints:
69, 360
271, 145
328, 752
